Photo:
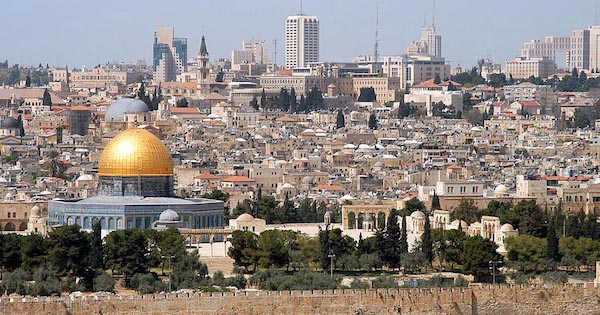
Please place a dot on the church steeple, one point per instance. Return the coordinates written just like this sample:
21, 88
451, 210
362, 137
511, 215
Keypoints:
203, 74
203, 51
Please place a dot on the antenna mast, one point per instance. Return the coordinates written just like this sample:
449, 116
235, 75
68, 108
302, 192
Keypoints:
596, 12
376, 48
274, 54
300, 7
433, 16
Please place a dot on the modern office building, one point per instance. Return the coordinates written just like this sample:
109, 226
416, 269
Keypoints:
259, 50
301, 41
169, 54
523, 68
430, 43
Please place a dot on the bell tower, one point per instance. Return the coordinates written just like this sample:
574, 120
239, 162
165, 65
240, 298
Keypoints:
203, 75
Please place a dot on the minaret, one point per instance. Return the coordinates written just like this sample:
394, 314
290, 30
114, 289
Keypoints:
203, 75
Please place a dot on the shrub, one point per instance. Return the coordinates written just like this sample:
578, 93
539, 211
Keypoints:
276, 280
146, 283
104, 283
385, 282
16, 281
46, 282
359, 284
555, 277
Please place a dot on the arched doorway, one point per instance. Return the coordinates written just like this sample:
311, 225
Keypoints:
23, 226
351, 221
381, 220
10, 227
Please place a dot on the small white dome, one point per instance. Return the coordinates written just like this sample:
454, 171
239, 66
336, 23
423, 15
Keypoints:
501, 190
169, 216
464, 226
418, 215
245, 217
507, 227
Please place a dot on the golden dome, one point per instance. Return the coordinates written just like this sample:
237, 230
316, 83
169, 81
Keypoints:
135, 152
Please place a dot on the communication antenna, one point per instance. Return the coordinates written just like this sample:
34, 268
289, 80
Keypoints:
376, 47
596, 13
274, 54
433, 16
300, 7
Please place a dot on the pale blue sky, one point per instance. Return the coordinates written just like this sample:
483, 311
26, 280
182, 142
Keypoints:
79, 32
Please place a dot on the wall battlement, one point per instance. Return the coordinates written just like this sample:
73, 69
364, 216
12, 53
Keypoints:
484, 299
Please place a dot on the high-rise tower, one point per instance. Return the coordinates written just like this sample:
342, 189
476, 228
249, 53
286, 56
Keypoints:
169, 54
301, 40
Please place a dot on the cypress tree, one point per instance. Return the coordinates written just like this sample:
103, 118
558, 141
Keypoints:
552, 249
404, 236
435, 202
340, 120
426, 243
263, 98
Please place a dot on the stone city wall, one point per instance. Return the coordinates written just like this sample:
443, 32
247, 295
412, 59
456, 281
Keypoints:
482, 300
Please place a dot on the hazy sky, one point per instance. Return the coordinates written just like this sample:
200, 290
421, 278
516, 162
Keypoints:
78, 32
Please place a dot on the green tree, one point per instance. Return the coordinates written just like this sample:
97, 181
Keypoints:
220, 76
33, 251
426, 243
527, 217
68, 248
96, 255
435, 202
254, 103
183, 103
581, 119
104, 283
527, 253
46, 281
552, 252
172, 243
367, 94
127, 252
340, 120
16, 281
28, 81
188, 272
263, 99
46, 99
437, 79
10, 251
272, 249
448, 245
372, 122
466, 211
244, 248
477, 254
390, 246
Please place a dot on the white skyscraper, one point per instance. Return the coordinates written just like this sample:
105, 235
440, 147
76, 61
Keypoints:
430, 43
301, 41
432, 40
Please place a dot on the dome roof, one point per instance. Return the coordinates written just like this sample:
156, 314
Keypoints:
501, 190
135, 152
245, 217
507, 227
378, 164
123, 106
464, 226
9, 123
169, 216
418, 215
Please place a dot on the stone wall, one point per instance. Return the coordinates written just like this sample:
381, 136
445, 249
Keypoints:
483, 300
